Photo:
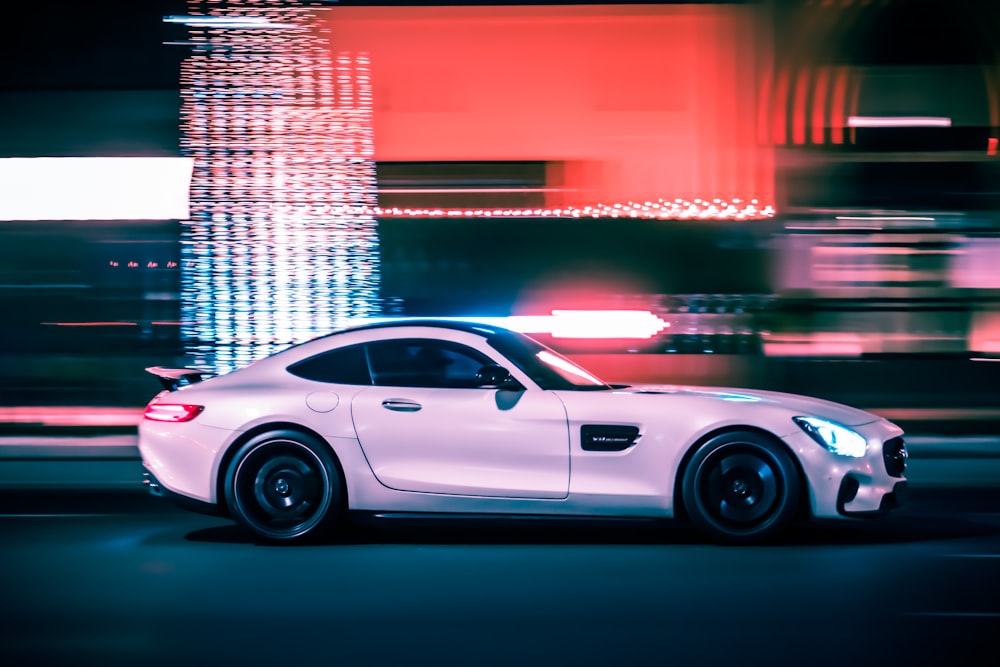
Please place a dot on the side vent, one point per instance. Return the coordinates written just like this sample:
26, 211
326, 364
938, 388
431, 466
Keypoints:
607, 437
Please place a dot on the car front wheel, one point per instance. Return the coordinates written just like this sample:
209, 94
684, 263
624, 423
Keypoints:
284, 486
741, 488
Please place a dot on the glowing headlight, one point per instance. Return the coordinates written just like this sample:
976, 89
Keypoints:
838, 439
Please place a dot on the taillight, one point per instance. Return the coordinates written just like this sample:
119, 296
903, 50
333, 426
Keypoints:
172, 412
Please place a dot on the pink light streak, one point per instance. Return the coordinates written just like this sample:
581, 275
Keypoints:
898, 121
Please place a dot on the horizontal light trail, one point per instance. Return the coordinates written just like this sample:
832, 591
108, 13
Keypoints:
593, 324
94, 188
865, 218
90, 324
661, 209
52, 516
898, 121
460, 190
233, 22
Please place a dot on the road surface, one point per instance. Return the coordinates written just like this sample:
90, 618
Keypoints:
106, 575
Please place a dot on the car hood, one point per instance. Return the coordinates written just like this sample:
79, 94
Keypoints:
805, 406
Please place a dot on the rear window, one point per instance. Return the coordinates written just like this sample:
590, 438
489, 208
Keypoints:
346, 365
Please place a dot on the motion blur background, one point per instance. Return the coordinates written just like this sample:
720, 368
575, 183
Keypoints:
794, 194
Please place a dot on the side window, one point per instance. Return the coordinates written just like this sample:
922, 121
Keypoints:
425, 363
346, 365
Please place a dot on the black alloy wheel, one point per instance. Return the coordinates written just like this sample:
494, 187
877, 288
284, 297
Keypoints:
284, 486
741, 488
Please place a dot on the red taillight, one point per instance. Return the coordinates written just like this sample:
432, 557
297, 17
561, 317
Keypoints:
172, 412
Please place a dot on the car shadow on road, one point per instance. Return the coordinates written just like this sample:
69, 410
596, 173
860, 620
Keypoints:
895, 529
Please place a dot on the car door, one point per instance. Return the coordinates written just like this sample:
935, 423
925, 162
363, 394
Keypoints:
426, 427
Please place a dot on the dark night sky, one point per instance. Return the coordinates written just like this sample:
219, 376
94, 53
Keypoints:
114, 44
94, 77
118, 44
97, 44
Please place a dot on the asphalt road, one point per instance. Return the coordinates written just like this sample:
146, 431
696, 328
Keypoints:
110, 576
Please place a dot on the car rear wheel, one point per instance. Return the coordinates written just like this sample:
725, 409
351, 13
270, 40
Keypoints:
284, 486
741, 488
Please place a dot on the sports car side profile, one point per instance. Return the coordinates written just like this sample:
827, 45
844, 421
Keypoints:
446, 418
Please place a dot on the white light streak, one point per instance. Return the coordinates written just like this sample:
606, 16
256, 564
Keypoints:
231, 22
898, 121
95, 188
605, 324
887, 218
593, 324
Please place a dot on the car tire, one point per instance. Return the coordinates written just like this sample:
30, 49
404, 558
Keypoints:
284, 486
741, 488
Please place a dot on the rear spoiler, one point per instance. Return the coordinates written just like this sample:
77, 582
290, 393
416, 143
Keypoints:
172, 378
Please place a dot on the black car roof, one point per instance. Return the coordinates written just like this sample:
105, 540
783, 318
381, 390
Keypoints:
467, 326
484, 330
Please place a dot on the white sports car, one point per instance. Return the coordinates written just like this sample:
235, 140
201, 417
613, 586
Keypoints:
459, 418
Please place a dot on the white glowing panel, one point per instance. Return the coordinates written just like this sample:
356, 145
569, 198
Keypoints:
95, 188
606, 324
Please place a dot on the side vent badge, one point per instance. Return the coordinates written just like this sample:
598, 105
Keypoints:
607, 437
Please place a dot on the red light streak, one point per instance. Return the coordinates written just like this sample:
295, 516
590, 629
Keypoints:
799, 107
819, 109
854, 96
838, 112
779, 126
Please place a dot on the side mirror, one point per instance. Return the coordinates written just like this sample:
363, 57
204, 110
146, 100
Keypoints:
492, 375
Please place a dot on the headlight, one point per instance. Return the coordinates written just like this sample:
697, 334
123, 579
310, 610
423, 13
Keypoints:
838, 439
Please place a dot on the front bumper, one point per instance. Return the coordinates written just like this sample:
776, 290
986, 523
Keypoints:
841, 486
851, 486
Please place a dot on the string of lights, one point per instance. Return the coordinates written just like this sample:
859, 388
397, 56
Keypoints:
677, 209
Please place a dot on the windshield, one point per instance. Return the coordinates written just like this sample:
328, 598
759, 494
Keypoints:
546, 367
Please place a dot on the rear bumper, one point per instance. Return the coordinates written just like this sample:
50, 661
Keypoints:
155, 488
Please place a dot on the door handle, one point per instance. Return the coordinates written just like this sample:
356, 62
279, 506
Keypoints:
400, 405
